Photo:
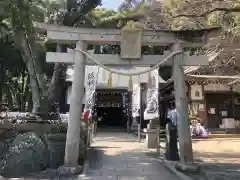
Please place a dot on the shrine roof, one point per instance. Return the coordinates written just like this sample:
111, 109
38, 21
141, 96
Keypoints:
203, 77
206, 79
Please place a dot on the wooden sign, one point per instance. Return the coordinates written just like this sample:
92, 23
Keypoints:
105, 105
131, 43
196, 92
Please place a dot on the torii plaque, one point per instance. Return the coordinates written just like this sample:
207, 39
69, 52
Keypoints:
131, 43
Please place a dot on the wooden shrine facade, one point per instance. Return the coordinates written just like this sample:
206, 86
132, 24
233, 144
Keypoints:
113, 98
210, 99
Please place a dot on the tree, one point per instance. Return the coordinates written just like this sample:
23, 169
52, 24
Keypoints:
47, 81
21, 15
217, 13
185, 15
13, 85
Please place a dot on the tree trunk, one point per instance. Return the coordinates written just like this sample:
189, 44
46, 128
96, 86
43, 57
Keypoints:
35, 95
9, 99
42, 95
41, 79
29, 100
57, 83
2, 75
26, 99
23, 85
29, 62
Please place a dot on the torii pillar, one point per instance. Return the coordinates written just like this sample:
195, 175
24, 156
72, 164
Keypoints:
181, 101
75, 112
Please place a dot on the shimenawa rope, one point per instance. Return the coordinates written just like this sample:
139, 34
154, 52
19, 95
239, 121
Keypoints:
125, 73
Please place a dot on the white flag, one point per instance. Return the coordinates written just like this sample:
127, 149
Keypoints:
151, 111
90, 85
136, 100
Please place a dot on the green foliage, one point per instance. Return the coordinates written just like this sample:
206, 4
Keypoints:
20, 43
28, 153
16, 17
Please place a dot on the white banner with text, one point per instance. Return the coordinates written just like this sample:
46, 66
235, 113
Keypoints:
151, 111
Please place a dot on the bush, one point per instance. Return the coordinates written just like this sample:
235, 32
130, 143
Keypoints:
31, 152
26, 154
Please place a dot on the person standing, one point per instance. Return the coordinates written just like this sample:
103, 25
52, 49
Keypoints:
172, 114
171, 134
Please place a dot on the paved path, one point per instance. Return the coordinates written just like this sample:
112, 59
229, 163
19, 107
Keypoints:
118, 156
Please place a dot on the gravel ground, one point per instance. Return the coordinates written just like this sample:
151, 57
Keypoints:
219, 159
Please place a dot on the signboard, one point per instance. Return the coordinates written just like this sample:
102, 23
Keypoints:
106, 105
131, 43
196, 92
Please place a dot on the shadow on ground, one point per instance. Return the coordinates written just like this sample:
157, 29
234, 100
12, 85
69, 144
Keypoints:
119, 156
219, 159
218, 166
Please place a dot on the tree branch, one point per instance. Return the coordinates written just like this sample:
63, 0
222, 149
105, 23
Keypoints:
204, 14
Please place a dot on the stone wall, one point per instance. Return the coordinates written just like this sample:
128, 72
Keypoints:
37, 147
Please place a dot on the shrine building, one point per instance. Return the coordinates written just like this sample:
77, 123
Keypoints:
112, 103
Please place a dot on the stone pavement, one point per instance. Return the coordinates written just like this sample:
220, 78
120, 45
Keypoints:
118, 156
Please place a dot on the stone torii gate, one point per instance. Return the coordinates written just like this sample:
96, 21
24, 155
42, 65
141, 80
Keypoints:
133, 57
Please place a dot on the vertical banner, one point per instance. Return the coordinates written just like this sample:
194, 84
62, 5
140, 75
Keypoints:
151, 111
136, 100
90, 85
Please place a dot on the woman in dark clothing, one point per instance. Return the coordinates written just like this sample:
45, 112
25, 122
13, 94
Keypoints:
171, 135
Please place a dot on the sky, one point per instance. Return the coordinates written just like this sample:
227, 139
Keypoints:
113, 4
